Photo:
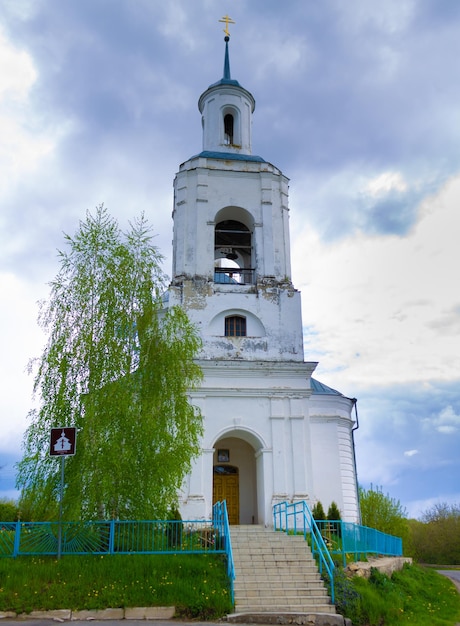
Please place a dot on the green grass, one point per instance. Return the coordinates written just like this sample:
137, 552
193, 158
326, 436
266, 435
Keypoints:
196, 585
414, 595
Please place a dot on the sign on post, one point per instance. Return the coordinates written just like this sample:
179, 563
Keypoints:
63, 441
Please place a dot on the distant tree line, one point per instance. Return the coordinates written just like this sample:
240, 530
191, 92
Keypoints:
436, 537
9, 510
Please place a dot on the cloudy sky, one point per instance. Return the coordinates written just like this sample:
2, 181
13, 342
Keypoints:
358, 103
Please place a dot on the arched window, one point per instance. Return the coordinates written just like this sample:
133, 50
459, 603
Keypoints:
228, 129
235, 326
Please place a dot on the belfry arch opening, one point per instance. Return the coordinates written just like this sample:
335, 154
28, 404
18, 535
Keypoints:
228, 129
231, 121
233, 252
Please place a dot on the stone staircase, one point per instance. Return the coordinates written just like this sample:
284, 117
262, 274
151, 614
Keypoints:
276, 574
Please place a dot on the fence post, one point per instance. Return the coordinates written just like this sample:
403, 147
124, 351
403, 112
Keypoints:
17, 539
112, 536
342, 538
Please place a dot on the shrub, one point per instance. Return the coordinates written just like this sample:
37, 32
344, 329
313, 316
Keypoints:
9, 511
333, 512
174, 531
318, 511
383, 513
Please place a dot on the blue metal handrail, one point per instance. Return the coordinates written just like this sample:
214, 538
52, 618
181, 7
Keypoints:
296, 517
221, 523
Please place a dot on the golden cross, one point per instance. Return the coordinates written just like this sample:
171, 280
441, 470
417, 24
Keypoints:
227, 20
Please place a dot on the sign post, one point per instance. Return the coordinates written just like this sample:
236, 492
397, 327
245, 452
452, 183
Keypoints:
62, 444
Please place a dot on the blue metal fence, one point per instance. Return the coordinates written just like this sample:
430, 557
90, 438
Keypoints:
296, 517
345, 538
111, 537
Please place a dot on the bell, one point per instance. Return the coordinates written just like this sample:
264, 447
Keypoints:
231, 256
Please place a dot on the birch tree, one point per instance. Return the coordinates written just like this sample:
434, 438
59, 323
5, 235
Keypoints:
117, 365
383, 513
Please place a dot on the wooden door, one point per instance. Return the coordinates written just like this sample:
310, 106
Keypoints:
226, 487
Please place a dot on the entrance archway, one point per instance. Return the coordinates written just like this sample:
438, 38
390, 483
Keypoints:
235, 479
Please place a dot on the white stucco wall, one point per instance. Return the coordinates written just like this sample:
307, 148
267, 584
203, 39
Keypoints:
332, 454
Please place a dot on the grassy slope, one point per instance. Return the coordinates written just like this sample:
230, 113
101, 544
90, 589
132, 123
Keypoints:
197, 585
415, 595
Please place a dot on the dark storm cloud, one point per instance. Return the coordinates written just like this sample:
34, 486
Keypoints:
109, 71
375, 93
369, 91
344, 94
104, 77
395, 213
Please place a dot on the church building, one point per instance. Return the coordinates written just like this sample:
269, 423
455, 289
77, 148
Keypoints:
271, 431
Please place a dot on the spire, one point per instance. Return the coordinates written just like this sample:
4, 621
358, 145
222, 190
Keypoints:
226, 78
226, 75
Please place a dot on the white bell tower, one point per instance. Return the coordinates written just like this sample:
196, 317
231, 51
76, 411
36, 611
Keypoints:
232, 274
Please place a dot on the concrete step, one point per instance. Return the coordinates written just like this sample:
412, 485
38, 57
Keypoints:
293, 557
280, 571
271, 573
262, 550
264, 607
272, 580
300, 589
283, 617
279, 561
277, 597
